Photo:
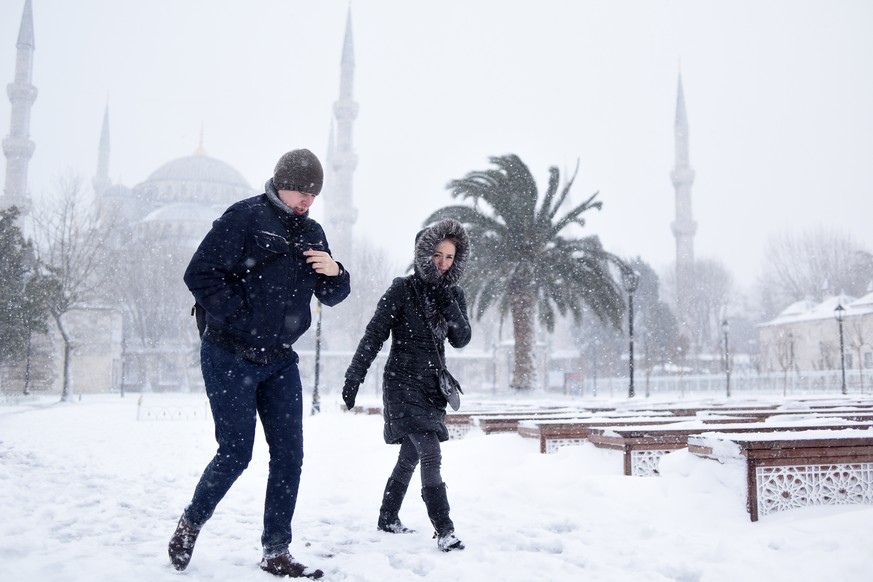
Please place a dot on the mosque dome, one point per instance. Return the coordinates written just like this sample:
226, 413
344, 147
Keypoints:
197, 179
198, 168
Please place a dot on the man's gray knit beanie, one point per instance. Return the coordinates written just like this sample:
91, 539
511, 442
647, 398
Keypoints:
299, 170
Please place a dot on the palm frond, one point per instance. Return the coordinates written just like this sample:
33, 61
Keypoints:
565, 191
574, 216
546, 211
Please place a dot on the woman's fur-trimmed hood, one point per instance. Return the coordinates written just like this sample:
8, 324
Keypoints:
425, 244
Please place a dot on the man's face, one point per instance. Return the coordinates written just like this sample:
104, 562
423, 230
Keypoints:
299, 202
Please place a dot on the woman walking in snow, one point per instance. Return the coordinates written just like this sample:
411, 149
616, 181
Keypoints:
420, 312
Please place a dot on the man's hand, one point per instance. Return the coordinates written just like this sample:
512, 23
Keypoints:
322, 263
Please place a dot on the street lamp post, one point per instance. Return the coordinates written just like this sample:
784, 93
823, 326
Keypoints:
840, 314
494, 368
725, 328
316, 398
631, 280
596, 359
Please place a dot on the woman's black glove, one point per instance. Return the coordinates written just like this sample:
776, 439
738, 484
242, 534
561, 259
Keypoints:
442, 296
350, 390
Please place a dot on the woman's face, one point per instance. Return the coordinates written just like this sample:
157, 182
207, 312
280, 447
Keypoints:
444, 256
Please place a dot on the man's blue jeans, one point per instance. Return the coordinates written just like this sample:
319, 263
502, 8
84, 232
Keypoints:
238, 390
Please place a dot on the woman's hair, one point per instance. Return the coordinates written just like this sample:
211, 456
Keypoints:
452, 239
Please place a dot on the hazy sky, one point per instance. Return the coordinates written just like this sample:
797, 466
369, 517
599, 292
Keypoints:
779, 97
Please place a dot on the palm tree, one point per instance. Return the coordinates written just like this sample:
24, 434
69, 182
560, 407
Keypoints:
520, 261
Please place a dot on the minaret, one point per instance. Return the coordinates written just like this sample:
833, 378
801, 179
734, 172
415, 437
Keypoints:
330, 176
200, 151
684, 227
101, 180
17, 146
342, 160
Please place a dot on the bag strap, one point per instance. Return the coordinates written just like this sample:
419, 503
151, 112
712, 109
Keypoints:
424, 315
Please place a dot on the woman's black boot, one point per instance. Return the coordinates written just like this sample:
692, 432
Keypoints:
437, 502
392, 499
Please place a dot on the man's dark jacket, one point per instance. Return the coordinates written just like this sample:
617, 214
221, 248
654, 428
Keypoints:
251, 277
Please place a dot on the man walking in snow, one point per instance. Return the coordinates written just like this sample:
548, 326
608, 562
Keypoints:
254, 274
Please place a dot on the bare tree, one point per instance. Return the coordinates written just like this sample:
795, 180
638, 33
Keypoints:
70, 239
784, 350
148, 286
709, 301
343, 325
858, 336
160, 336
828, 356
710, 295
371, 271
811, 264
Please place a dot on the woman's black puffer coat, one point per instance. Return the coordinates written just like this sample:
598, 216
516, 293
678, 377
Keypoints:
411, 398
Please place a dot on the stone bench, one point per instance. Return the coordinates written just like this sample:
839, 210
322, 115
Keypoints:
679, 409
490, 424
461, 422
850, 413
790, 470
558, 433
554, 434
643, 446
510, 422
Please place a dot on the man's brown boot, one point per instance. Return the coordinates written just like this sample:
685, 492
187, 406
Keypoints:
285, 565
182, 544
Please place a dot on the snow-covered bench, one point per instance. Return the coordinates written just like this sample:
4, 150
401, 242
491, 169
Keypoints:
510, 422
495, 423
643, 446
554, 434
847, 413
799, 469
505, 418
461, 422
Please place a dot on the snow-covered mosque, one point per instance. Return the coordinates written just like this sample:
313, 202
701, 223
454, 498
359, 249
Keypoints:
161, 220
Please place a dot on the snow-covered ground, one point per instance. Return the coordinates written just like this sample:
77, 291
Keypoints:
88, 492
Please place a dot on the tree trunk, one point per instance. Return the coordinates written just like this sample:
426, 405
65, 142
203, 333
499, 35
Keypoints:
27, 356
67, 390
522, 307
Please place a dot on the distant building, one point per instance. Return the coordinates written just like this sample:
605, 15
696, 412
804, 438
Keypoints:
805, 336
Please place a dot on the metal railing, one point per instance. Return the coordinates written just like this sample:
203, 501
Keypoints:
791, 383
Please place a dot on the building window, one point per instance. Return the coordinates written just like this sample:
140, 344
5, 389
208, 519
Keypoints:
848, 361
868, 360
